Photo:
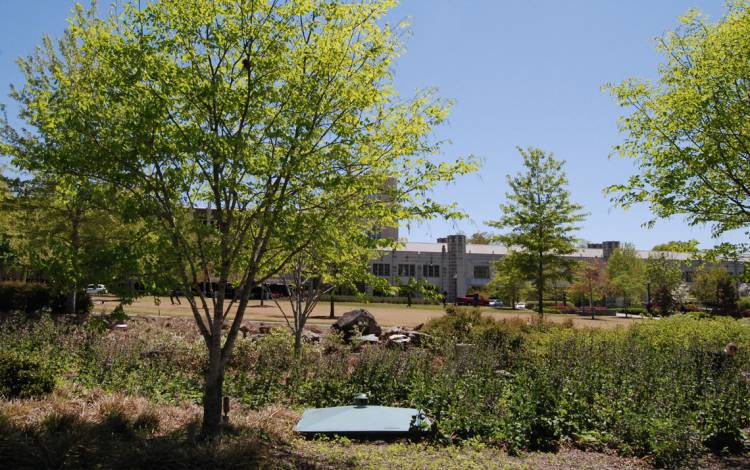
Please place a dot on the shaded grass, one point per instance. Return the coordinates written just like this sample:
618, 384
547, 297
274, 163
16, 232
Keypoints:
97, 430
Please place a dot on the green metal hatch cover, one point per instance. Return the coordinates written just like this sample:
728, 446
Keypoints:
362, 419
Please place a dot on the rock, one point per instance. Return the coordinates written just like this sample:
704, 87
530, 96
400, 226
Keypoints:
311, 336
399, 340
368, 339
392, 330
417, 337
360, 321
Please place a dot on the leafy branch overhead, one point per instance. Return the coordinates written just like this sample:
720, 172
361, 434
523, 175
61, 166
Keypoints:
239, 129
689, 132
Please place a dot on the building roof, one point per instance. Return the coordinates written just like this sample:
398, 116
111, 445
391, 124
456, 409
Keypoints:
471, 248
424, 247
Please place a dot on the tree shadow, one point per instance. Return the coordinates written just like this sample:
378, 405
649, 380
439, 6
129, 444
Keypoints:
118, 441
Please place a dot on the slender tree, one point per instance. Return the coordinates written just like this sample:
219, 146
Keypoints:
626, 274
510, 282
237, 126
663, 276
541, 218
590, 281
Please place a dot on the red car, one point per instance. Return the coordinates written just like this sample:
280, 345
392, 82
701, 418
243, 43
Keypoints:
476, 299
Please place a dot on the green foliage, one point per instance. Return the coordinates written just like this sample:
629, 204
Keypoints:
510, 282
633, 310
590, 282
21, 297
664, 277
662, 389
676, 246
418, 288
541, 218
715, 288
480, 238
239, 132
23, 377
33, 298
687, 132
626, 274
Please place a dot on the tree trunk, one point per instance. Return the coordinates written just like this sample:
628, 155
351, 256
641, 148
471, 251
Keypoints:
298, 342
75, 243
540, 287
333, 300
70, 304
213, 393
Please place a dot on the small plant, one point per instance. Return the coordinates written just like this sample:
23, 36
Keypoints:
118, 314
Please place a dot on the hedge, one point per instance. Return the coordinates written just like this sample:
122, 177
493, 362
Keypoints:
29, 298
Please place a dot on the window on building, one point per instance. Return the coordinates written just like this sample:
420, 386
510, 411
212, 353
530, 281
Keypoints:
481, 272
381, 269
431, 270
407, 270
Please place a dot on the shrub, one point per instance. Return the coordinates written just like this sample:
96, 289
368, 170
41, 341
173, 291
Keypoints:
22, 297
23, 377
32, 298
633, 310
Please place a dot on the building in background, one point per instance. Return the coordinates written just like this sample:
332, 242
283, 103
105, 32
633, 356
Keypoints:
454, 266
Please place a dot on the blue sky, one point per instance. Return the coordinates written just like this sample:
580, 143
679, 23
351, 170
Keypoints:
522, 72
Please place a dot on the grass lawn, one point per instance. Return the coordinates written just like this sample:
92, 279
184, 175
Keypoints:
386, 314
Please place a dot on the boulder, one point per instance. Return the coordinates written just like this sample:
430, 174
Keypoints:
311, 336
391, 330
360, 321
368, 339
399, 340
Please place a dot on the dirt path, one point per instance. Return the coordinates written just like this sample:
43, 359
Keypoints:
386, 314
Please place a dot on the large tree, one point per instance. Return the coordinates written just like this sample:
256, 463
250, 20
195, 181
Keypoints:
689, 131
626, 274
541, 218
238, 126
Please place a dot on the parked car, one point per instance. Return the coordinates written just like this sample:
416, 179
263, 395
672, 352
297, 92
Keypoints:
520, 306
96, 289
472, 299
497, 303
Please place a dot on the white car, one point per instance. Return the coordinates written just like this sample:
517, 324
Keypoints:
497, 303
520, 306
96, 289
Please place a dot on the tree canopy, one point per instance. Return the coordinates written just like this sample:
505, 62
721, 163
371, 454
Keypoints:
689, 132
541, 218
676, 246
238, 129
626, 273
